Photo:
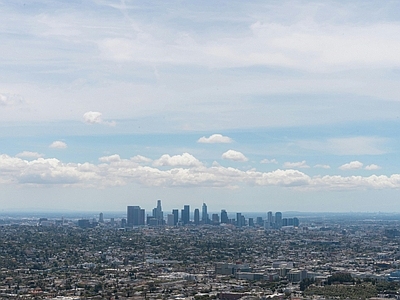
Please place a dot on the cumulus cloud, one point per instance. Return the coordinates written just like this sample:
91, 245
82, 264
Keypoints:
372, 167
300, 164
354, 165
322, 166
269, 161
185, 160
184, 171
234, 155
95, 117
140, 159
29, 154
58, 145
110, 158
214, 139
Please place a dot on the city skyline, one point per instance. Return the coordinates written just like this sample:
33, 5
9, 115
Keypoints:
292, 105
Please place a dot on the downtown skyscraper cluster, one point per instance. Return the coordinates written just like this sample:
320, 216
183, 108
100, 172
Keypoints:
136, 217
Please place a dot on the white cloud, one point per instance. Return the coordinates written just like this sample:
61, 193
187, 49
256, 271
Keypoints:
186, 160
10, 99
359, 145
354, 165
269, 161
186, 171
372, 167
215, 138
322, 166
29, 154
141, 159
110, 158
58, 145
234, 155
300, 164
95, 117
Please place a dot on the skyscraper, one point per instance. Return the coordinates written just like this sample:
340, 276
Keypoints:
196, 216
175, 212
224, 216
185, 214
158, 214
239, 220
269, 217
135, 216
278, 219
204, 214
101, 218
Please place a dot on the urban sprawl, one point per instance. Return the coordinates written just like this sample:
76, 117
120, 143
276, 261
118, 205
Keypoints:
192, 255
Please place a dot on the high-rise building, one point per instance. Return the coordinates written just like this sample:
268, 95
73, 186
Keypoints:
185, 214
158, 214
215, 219
270, 217
101, 218
135, 216
175, 212
278, 219
251, 222
196, 216
204, 214
224, 216
260, 221
170, 220
239, 220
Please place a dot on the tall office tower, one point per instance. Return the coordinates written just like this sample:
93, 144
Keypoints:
170, 220
101, 218
215, 219
260, 221
269, 217
175, 212
185, 217
224, 217
296, 222
158, 213
135, 216
278, 219
243, 221
251, 222
285, 222
239, 220
196, 216
204, 214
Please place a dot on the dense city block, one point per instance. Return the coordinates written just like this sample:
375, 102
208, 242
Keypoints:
324, 257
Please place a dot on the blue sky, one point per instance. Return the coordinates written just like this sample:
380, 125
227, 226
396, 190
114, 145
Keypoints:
247, 106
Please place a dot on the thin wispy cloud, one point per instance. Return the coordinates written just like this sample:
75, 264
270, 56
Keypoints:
296, 165
322, 166
269, 161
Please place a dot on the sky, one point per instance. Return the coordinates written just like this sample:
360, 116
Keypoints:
243, 105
